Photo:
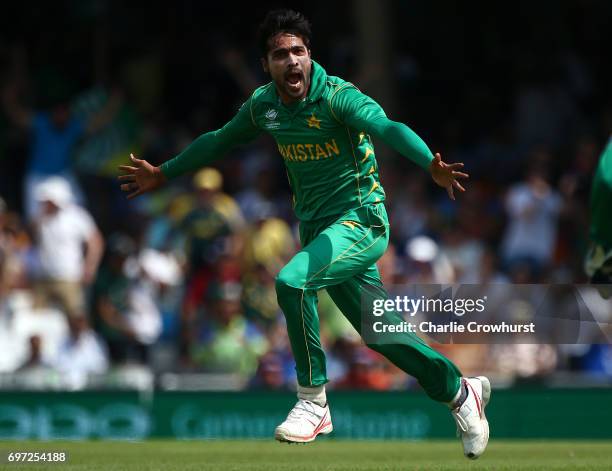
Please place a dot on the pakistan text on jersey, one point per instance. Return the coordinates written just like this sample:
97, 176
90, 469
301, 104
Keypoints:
304, 152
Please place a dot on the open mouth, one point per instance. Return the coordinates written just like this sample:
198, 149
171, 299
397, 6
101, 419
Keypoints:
293, 80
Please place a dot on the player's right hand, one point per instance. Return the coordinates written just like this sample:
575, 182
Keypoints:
140, 177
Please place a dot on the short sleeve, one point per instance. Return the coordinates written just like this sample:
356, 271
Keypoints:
82, 222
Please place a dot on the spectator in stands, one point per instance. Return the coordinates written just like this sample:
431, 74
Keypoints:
259, 296
228, 342
427, 263
111, 302
210, 229
62, 229
81, 354
15, 250
268, 241
533, 208
464, 253
54, 135
268, 245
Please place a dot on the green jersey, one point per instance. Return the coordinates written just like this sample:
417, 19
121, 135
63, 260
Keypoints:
325, 141
601, 200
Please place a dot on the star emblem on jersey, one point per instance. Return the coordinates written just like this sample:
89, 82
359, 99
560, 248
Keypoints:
313, 122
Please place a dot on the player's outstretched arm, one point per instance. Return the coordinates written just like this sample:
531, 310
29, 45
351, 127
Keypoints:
447, 175
140, 177
405, 141
361, 112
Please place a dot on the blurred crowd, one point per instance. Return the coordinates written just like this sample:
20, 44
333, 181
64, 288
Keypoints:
182, 281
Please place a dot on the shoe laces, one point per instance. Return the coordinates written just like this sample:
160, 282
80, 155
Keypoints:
460, 421
301, 410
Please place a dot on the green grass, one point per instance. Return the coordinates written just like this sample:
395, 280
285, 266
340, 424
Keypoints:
324, 455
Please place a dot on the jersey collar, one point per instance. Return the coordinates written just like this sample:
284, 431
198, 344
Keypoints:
318, 79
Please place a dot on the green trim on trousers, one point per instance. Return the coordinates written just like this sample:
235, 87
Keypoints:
340, 255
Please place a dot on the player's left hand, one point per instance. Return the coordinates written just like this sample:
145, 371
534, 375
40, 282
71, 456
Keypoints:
446, 175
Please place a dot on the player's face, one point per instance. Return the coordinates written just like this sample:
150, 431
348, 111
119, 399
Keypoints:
288, 63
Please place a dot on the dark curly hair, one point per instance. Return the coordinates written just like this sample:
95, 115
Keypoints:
282, 21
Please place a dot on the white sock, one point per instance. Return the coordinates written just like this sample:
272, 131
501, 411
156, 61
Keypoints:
460, 397
314, 394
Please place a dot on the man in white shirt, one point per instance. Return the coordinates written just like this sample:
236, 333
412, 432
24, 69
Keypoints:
533, 208
69, 248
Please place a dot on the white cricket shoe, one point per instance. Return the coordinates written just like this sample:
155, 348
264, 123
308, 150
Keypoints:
472, 425
305, 421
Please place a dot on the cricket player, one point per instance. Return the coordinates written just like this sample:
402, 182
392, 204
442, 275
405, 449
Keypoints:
324, 128
598, 263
